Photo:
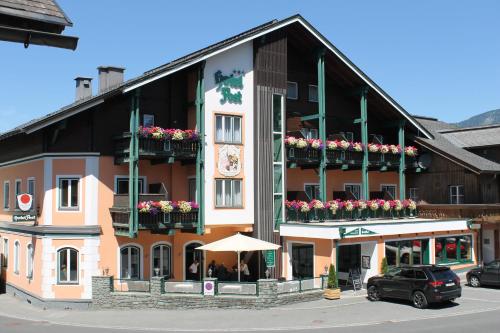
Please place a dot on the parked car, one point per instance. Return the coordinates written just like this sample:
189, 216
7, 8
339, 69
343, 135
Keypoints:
422, 285
488, 274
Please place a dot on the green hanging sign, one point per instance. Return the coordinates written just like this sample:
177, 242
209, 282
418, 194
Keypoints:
354, 232
270, 258
227, 83
367, 232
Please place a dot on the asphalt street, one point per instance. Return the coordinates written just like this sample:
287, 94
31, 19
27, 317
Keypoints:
477, 311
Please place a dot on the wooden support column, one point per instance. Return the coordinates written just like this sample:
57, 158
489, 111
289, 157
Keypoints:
365, 188
200, 154
402, 161
322, 123
133, 182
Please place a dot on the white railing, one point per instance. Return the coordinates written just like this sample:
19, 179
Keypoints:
184, 287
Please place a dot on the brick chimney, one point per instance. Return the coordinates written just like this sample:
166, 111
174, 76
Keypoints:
109, 77
83, 88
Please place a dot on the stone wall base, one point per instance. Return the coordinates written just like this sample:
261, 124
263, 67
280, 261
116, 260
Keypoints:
68, 304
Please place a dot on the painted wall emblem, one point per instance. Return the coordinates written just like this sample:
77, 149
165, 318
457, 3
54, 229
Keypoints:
226, 84
229, 161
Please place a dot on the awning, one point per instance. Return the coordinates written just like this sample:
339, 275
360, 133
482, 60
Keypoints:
35, 37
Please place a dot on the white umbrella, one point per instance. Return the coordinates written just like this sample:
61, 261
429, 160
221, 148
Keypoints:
239, 243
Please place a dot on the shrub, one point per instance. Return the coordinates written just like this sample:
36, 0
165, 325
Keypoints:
385, 267
332, 282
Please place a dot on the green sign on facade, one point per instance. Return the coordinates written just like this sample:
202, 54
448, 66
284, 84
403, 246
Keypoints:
269, 255
227, 82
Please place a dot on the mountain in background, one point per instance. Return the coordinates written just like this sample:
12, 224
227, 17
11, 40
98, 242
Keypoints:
483, 119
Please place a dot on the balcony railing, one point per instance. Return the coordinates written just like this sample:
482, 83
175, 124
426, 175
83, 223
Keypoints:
478, 212
154, 149
307, 156
322, 215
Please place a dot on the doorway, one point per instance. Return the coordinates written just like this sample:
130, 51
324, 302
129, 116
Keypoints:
302, 261
191, 255
349, 260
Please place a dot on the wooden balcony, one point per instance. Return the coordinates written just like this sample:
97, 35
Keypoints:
477, 212
160, 223
321, 215
344, 158
303, 157
156, 150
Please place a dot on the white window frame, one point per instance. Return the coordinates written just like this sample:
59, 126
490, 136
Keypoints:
150, 116
308, 133
33, 181
60, 209
68, 261
30, 260
457, 196
16, 193
162, 243
17, 255
191, 178
224, 118
310, 184
5, 251
141, 260
296, 90
411, 193
390, 185
6, 196
309, 93
354, 184
144, 183
232, 180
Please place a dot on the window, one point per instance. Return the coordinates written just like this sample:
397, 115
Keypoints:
390, 190
68, 194
18, 192
161, 260
67, 266
121, 185
130, 262
192, 189
310, 133
148, 120
420, 275
407, 252
16, 257
456, 194
228, 193
312, 191
227, 129
313, 93
29, 261
6, 195
354, 189
302, 261
455, 249
292, 90
278, 160
414, 194
5, 261
31, 187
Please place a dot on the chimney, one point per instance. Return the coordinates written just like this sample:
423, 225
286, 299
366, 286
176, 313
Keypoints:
109, 77
83, 88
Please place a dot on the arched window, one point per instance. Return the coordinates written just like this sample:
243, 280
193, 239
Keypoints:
161, 260
67, 265
29, 261
130, 262
16, 257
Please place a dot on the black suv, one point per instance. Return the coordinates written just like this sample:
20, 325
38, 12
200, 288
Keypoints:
420, 284
488, 274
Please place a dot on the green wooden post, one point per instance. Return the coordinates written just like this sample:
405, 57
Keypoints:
200, 154
365, 194
133, 184
402, 161
322, 123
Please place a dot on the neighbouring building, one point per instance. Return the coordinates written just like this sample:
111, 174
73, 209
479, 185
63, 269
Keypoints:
37, 22
258, 134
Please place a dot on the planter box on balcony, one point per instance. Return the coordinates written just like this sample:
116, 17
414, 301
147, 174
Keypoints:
303, 156
390, 159
340, 157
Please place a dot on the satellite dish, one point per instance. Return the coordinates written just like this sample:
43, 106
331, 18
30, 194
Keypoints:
424, 160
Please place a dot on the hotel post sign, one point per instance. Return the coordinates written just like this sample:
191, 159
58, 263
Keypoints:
25, 205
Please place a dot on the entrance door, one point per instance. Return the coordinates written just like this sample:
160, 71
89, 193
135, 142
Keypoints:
193, 256
349, 259
302, 261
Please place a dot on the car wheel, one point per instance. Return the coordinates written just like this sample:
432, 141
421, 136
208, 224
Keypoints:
373, 294
419, 300
474, 281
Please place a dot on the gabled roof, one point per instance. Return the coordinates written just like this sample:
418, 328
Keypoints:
474, 137
47, 11
448, 149
201, 55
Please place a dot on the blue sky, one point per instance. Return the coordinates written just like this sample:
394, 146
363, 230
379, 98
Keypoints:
436, 58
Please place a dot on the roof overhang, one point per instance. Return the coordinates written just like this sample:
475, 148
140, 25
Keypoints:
35, 37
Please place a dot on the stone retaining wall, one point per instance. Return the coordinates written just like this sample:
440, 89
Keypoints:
103, 297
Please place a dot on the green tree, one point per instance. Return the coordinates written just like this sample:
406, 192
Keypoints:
385, 266
332, 282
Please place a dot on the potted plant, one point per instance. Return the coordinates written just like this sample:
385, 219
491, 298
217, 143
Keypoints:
332, 290
385, 267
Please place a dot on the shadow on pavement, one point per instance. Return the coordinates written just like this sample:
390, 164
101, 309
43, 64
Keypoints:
432, 306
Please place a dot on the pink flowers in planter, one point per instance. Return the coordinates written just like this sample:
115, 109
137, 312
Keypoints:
344, 145
155, 207
411, 151
173, 134
302, 143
